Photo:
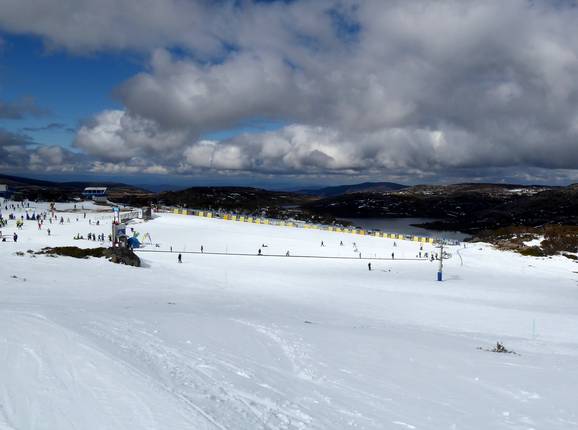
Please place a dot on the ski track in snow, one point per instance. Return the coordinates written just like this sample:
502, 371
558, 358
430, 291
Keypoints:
198, 380
293, 351
48, 394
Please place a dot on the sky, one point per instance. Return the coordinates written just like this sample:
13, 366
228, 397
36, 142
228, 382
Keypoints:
290, 93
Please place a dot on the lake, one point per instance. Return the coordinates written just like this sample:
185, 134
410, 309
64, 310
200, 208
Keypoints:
403, 226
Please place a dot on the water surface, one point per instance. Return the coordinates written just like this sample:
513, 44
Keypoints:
404, 226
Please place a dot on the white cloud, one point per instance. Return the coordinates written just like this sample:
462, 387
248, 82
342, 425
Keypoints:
115, 135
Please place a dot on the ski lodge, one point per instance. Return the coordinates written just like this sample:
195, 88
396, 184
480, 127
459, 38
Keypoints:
97, 194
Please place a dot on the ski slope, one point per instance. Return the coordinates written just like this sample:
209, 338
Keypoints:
248, 342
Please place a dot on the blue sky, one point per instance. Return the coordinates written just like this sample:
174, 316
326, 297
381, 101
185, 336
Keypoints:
71, 88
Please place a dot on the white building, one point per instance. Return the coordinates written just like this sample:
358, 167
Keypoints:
98, 194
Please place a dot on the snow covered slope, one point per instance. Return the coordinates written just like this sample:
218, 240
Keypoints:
248, 342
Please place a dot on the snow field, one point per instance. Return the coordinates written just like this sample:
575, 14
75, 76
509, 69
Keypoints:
230, 342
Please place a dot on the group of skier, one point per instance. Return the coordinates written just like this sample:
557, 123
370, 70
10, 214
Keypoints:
92, 236
41, 218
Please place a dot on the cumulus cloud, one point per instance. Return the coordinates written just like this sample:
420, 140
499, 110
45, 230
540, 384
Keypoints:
115, 135
82, 26
369, 87
18, 152
135, 166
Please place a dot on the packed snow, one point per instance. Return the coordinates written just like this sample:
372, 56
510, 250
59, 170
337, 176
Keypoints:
261, 342
537, 241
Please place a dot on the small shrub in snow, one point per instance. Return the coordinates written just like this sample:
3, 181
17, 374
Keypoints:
500, 348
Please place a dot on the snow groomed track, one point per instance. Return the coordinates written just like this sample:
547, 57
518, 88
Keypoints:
299, 224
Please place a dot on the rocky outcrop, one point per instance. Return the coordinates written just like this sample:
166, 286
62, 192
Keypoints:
123, 256
115, 255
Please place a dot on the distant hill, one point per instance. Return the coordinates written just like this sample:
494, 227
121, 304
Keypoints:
60, 191
239, 198
470, 208
17, 182
159, 188
365, 187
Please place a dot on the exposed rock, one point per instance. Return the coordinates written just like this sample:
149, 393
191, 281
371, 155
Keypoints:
556, 239
115, 255
123, 256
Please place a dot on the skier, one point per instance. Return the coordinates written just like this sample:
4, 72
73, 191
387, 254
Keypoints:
287, 254
48, 232
369, 266
259, 252
341, 243
322, 244
202, 249
15, 238
392, 256
180, 258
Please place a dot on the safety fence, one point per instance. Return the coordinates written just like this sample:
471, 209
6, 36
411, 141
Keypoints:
245, 254
300, 224
125, 216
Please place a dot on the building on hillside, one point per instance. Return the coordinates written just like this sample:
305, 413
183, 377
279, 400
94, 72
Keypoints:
5, 191
98, 194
